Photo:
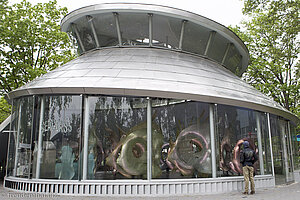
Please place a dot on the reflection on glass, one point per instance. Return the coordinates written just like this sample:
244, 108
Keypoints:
117, 138
60, 129
166, 31
134, 28
12, 139
185, 150
234, 125
266, 153
296, 146
23, 137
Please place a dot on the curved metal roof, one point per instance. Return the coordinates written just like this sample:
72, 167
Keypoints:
131, 24
154, 73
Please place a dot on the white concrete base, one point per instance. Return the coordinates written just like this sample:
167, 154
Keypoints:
297, 176
136, 188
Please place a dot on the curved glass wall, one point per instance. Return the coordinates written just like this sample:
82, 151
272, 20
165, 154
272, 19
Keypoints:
296, 146
117, 138
181, 148
105, 138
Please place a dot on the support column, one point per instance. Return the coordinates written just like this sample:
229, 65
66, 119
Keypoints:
17, 140
90, 20
85, 138
209, 42
118, 28
40, 139
212, 139
270, 139
181, 34
149, 140
78, 37
150, 29
226, 52
260, 150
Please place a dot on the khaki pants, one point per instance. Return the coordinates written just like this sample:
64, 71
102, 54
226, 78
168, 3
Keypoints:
248, 174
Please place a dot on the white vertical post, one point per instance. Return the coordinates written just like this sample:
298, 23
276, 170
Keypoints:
270, 139
17, 140
260, 150
90, 20
212, 139
149, 140
291, 147
86, 137
150, 29
78, 37
181, 34
118, 28
209, 42
40, 139
226, 52
10, 136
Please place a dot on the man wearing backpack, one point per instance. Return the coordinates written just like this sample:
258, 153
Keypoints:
248, 157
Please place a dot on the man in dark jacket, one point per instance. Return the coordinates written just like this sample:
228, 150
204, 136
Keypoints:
248, 157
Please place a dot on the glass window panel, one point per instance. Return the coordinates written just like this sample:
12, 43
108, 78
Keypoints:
117, 138
234, 125
195, 38
296, 146
265, 141
166, 31
85, 33
180, 139
12, 139
217, 48
23, 137
60, 129
134, 28
106, 30
233, 60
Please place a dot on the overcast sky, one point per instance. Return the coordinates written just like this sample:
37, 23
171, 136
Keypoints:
226, 12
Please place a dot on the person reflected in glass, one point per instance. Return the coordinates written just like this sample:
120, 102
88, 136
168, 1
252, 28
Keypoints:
247, 158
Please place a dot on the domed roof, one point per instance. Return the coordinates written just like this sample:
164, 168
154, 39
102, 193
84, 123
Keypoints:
151, 72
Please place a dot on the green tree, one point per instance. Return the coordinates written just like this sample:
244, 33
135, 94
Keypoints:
272, 37
31, 43
4, 109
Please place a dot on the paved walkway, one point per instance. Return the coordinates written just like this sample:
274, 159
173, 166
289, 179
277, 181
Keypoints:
282, 192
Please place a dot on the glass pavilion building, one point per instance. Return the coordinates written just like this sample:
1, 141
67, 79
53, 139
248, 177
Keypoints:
152, 106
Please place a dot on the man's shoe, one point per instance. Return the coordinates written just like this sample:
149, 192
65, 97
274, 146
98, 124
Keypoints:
245, 192
252, 192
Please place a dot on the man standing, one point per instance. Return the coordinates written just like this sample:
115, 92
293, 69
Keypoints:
248, 157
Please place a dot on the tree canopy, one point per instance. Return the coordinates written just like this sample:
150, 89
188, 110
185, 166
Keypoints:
31, 42
272, 37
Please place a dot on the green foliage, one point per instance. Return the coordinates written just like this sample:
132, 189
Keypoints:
31, 42
4, 109
272, 37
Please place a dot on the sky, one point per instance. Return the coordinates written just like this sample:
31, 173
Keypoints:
225, 12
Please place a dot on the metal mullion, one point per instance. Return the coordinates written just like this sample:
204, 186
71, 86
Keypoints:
270, 140
78, 36
291, 147
86, 136
181, 34
212, 139
149, 140
40, 138
91, 22
150, 29
261, 161
32, 132
116, 15
209, 42
226, 52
